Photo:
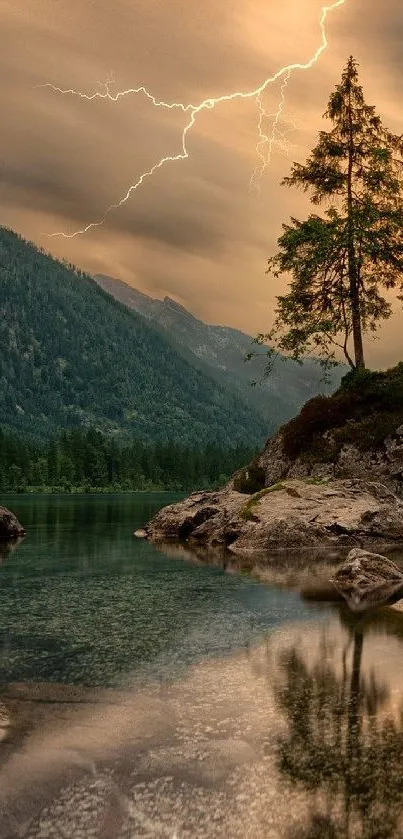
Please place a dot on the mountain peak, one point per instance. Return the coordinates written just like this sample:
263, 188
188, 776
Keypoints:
174, 306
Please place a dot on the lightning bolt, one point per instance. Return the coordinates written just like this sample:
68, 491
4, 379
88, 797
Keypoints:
193, 111
266, 143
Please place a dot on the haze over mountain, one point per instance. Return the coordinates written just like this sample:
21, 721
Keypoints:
220, 351
71, 355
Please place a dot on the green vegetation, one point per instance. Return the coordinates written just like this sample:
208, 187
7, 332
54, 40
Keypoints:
251, 479
366, 409
89, 461
247, 513
71, 356
342, 261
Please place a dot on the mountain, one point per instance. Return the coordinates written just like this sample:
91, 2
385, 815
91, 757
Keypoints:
220, 352
71, 355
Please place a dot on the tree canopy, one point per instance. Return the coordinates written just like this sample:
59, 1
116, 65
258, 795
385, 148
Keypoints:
342, 262
85, 460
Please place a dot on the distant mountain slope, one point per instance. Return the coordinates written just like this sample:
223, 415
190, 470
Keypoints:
71, 355
220, 351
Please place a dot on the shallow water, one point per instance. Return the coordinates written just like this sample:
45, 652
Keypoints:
146, 696
84, 602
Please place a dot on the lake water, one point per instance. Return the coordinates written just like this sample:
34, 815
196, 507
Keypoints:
142, 695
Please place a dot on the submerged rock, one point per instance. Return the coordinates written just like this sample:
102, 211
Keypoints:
10, 528
292, 514
367, 580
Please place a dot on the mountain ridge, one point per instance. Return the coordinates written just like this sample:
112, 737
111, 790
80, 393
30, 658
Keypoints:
221, 350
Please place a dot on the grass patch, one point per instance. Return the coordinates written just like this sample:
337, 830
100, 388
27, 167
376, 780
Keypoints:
247, 513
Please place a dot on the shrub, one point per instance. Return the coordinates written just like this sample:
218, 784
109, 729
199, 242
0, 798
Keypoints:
367, 407
370, 432
250, 480
320, 414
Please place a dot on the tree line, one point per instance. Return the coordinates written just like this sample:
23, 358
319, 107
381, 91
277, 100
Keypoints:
87, 460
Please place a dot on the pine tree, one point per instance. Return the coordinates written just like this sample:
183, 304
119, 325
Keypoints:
341, 263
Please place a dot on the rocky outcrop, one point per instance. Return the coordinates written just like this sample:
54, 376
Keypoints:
382, 463
291, 514
333, 476
10, 528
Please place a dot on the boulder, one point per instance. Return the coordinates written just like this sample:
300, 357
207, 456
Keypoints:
179, 522
10, 528
367, 580
292, 514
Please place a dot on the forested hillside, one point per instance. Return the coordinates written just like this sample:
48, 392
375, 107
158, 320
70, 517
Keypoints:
220, 352
71, 355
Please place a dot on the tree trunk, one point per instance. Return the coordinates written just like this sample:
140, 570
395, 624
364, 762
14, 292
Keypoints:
352, 257
356, 322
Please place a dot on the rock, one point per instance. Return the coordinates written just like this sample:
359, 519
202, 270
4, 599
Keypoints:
140, 534
367, 580
10, 528
292, 514
186, 519
383, 463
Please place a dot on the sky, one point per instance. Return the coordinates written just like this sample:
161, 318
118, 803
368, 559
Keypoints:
195, 231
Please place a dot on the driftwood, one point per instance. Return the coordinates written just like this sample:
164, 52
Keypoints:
368, 580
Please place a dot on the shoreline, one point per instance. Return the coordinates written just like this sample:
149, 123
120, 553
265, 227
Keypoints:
92, 491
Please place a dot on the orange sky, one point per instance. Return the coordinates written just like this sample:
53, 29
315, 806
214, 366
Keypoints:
194, 231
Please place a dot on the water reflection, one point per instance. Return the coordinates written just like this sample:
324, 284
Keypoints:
345, 740
299, 737
145, 696
8, 548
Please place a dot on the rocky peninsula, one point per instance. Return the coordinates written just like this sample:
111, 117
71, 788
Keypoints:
332, 478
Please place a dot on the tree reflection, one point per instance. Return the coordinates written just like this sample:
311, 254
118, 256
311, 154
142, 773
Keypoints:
342, 746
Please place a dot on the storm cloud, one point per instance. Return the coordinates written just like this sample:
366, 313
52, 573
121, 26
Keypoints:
194, 231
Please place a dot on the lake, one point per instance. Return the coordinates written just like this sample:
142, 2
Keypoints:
146, 695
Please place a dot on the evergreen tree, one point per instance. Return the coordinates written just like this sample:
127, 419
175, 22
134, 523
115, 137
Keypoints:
342, 262
88, 460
